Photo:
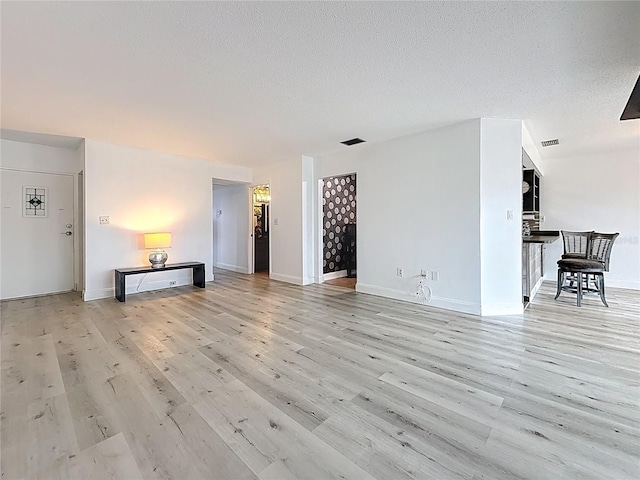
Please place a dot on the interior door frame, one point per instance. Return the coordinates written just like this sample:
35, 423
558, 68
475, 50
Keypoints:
251, 247
320, 223
78, 226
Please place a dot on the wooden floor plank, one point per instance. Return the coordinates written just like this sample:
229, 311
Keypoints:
252, 378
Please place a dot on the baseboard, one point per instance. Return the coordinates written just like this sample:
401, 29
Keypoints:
332, 275
535, 288
89, 295
232, 268
438, 302
498, 309
286, 278
308, 280
627, 284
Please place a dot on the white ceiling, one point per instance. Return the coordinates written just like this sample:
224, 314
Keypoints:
247, 83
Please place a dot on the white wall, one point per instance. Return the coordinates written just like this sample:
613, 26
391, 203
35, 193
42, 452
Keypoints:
231, 210
309, 220
500, 237
39, 158
418, 208
531, 147
147, 191
285, 230
596, 192
34, 157
438, 201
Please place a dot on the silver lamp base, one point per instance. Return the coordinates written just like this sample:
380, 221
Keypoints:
158, 258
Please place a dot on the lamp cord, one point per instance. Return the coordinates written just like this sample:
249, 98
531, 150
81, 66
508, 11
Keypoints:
140, 282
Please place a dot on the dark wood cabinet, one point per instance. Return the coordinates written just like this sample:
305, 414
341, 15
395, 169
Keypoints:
530, 198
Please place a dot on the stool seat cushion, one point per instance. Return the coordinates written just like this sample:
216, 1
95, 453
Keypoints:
580, 264
574, 255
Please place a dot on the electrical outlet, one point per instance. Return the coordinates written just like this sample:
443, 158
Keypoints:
104, 220
399, 271
275, 221
435, 276
509, 214
424, 273
172, 283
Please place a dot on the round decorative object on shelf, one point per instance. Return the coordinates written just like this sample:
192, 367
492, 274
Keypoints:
525, 187
158, 258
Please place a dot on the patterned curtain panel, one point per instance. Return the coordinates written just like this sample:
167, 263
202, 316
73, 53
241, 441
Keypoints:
339, 209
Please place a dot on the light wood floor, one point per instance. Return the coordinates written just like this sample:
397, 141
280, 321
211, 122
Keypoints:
342, 282
257, 379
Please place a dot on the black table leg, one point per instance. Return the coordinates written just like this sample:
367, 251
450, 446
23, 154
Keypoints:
198, 276
120, 286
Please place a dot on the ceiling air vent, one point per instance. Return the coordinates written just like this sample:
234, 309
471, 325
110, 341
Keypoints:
353, 141
548, 143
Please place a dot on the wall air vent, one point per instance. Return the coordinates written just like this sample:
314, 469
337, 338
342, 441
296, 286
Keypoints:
548, 143
353, 141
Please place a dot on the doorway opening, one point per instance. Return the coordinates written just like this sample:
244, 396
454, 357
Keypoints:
339, 220
231, 227
261, 201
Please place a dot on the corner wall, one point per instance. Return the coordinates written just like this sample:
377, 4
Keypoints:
418, 208
286, 207
147, 191
501, 216
596, 192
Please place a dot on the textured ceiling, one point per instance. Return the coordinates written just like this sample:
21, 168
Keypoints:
247, 83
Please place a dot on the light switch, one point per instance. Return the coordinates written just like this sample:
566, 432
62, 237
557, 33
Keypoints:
275, 221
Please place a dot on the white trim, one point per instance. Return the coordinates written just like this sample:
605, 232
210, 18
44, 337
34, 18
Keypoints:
627, 284
37, 295
502, 309
438, 302
233, 268
535, 288
286, 278
98, 294
308, 280
332, 275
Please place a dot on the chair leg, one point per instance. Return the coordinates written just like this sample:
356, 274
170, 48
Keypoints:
601, 289
579, 289
560, 282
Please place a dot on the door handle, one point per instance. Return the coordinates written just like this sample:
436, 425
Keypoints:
67, 233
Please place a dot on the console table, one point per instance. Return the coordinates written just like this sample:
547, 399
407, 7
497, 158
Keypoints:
121, 275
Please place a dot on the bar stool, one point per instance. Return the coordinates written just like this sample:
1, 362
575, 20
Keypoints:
594, 263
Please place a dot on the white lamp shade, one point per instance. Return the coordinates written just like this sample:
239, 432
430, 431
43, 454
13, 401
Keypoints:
157, 240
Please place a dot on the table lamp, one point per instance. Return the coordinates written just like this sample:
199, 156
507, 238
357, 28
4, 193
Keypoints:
158, 241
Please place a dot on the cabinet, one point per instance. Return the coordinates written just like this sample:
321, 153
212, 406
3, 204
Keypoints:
532, 269
530, 191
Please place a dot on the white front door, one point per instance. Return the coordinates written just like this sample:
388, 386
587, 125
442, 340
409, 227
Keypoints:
37, 234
